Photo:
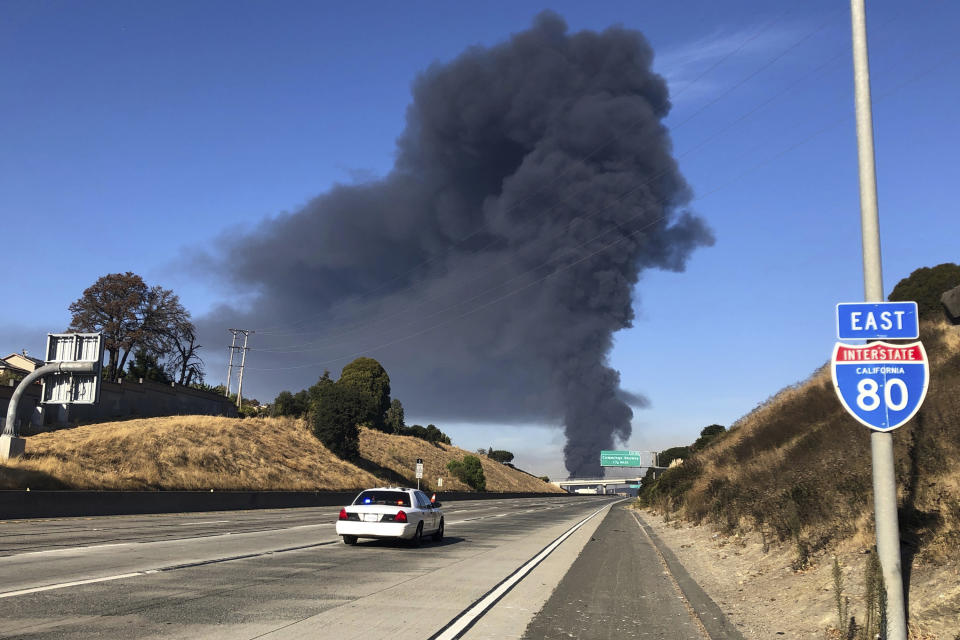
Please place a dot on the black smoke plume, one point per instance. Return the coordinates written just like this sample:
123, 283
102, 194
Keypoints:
489, 270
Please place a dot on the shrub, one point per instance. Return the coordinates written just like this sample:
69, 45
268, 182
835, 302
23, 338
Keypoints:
708, 435
669, 455
429, 433
670, 487
469, 471
925, 286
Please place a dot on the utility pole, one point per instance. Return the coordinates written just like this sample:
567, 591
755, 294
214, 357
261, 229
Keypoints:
881, 443
233, 346
243, 360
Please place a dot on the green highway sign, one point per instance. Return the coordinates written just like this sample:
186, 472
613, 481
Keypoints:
633, 486
620, 459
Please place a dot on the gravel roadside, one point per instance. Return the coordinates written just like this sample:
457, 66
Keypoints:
765, 598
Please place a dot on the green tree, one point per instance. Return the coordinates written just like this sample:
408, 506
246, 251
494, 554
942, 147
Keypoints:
334, 416
301, 402
370, 379
435, 435
707, 435
283, 405
430, 433
145, 367
289, 404
925, 286
500, 455
469, 471
394, 417
314, 393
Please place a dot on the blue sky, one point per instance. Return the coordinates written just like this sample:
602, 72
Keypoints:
133, 134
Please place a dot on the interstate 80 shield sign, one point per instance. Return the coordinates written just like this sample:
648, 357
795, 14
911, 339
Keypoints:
882, 385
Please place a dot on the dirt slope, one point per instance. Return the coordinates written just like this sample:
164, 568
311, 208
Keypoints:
204, 452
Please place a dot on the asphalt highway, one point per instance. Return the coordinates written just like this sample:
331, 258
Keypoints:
276, 574
537, 568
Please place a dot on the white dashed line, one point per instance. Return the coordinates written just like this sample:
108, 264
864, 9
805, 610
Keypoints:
62, 585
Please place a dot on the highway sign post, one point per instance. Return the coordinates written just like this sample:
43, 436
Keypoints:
73, 365
881, 442
620, 459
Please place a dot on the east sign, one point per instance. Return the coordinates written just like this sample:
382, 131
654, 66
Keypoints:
877, 320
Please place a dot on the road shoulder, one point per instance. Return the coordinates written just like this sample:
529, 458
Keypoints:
717, 625
617, 588
511, 615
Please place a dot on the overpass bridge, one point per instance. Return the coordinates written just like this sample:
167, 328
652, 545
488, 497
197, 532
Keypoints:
598, 485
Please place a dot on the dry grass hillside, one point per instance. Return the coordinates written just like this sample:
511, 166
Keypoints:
796, 471
799, 467
203, 452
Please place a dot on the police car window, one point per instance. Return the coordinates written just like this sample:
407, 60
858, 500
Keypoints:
392, 498
422, 500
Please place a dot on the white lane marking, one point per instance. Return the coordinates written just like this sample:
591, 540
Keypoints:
456, 627
97, 547
50, 587
67, 550
183, 524
134, 574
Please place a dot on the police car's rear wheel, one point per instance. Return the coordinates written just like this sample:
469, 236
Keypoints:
417, 538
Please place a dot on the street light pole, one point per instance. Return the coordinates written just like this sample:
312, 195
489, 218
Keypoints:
881, 443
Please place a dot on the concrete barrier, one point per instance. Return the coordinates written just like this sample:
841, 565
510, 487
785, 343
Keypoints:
17, 505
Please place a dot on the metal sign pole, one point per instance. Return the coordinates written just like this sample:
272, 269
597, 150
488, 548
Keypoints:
881, 444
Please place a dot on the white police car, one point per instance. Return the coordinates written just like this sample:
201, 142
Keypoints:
391, 512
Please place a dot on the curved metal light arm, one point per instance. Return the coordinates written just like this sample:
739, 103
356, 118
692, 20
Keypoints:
10, 428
